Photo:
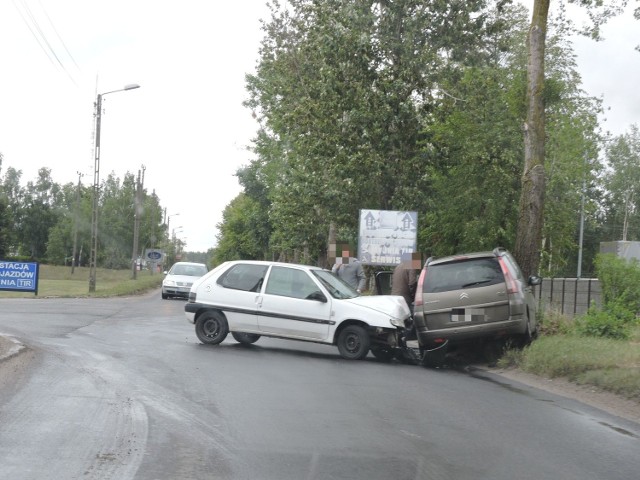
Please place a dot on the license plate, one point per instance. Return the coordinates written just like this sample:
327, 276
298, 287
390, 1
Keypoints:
467, 315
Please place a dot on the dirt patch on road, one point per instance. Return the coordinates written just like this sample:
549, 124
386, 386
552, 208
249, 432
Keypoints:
14, 368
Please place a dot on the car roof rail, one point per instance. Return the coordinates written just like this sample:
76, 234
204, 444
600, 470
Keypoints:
429, 260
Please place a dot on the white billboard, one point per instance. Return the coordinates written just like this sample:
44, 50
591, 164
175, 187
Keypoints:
386, 237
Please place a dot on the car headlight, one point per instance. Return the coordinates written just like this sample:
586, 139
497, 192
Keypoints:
170, 283
396, 322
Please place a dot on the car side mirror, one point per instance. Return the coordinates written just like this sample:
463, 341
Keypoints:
317, 295
534, 280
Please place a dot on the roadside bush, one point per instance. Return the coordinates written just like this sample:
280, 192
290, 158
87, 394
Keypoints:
620, 281
613, 321
552, 322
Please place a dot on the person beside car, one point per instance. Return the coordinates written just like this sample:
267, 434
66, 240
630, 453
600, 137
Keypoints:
404, 282
350, 270
405, 278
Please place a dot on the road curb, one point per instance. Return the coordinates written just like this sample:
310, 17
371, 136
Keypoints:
9, 347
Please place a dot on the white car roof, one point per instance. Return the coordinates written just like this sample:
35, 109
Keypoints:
278, 264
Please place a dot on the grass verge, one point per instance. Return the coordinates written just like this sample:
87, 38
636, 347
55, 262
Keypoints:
610, 365
57, 281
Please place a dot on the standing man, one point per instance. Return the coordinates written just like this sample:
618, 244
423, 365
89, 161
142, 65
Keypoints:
350, 270
405, 278
404, 282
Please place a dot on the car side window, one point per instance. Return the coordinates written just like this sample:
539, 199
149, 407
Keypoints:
243, 276
289, 282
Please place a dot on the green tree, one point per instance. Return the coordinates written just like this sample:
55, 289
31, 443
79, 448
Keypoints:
341, 89
531, 209
39, 212
622, 184
475, 146
116, 221
239, 235
13, 194
5, 226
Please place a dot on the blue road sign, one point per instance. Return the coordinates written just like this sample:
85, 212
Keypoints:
19, 276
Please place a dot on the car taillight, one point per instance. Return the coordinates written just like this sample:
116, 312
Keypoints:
512, 287
418, 298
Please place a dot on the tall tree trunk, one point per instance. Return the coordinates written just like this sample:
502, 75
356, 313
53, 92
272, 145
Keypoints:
530, 220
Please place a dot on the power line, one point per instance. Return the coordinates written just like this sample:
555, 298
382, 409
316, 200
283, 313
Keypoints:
39, 35
58, 35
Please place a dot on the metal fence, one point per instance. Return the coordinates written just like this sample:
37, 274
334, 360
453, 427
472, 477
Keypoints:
569, 296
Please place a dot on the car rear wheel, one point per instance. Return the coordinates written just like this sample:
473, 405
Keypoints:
529, 335
211, 328
245, 338
353, 342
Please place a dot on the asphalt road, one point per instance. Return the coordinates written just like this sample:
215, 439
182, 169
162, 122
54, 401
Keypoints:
122, 389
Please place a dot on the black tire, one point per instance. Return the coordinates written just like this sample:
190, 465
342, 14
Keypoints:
165, 296
529, 335
245, 338
383, 354
353, 342
211, 327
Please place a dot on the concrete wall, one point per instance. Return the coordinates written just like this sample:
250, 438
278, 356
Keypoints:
569, 296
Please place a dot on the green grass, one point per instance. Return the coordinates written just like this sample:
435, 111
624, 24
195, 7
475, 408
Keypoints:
608, 364
56, 281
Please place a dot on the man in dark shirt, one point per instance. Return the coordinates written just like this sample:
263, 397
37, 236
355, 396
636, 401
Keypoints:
405, 279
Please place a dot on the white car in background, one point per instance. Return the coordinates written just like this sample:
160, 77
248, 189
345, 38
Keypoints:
250, 299
178, 280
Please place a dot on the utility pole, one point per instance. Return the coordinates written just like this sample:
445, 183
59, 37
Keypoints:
75, 226
136, 222
93, 258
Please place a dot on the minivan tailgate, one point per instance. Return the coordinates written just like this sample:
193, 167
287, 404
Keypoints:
467, 307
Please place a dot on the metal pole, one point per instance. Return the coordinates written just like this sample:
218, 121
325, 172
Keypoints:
136, 221
581, 236
136, 226
75, 226
96, 189
581, 239
96, 194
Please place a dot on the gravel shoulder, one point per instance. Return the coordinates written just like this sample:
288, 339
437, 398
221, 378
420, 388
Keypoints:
16, 358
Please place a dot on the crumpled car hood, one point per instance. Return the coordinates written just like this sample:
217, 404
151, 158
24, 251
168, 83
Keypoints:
392, 305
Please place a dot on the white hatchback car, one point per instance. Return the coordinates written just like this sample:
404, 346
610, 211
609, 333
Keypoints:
178, 280
251, 299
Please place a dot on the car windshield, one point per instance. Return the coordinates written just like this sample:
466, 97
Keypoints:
189, 270
337, 287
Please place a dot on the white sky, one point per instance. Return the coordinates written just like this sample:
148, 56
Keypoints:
185, 124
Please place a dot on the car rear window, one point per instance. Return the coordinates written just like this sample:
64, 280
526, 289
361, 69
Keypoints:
462, 274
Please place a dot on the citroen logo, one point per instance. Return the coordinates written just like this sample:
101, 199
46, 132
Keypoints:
464, 295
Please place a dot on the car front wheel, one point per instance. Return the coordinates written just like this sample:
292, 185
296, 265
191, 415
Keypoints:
353, 342
211, 328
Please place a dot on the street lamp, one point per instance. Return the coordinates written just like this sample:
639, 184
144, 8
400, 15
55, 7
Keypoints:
96, 187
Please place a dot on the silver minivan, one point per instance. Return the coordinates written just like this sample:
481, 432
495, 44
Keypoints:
472, 297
